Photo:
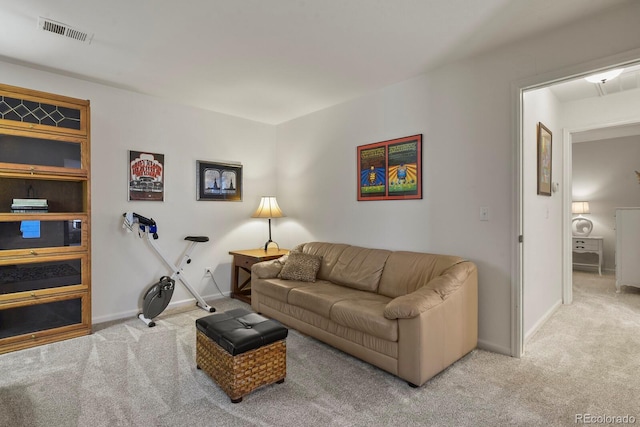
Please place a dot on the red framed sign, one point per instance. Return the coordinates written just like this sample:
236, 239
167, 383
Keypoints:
390, 170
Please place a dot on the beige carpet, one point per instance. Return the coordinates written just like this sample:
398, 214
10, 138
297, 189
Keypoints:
584, 360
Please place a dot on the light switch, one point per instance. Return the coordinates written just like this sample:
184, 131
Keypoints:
484, 213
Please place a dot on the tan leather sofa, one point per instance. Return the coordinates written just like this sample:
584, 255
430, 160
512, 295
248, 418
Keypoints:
411, 314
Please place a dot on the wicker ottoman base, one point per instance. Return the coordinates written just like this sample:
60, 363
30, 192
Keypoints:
239, 375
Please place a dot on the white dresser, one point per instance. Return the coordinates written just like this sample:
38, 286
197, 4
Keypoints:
627, 247
591, 244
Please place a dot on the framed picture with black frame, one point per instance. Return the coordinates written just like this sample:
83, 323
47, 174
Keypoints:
218, 181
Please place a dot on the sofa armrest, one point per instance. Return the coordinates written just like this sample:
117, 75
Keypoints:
411, 305
430, 295
439, 336
268, 269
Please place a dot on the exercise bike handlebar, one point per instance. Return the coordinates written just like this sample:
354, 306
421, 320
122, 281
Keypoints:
144, 221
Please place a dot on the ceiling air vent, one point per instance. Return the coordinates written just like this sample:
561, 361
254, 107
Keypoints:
64, 30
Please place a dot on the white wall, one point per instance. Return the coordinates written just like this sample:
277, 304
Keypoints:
461, 152
542, 227
465, 112
122, 264
604, 175
598, 112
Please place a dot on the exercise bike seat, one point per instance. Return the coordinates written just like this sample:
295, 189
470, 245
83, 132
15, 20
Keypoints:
198, 239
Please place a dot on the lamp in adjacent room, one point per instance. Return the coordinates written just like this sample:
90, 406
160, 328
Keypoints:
580, 225
268, 208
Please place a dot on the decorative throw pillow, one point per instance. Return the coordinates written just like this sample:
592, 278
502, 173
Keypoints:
301, 266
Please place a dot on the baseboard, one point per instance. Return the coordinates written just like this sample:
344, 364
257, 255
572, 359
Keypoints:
485, 345
587, 269
173, 305
528, 335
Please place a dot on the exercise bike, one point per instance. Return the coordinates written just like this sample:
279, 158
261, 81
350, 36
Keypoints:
157, 297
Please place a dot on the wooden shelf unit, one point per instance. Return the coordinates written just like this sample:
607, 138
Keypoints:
45, 272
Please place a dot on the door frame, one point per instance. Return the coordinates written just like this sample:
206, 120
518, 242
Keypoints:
518, 88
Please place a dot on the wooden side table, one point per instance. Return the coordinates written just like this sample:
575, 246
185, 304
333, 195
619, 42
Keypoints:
242, 262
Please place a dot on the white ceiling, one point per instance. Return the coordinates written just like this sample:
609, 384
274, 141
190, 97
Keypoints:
579, 88
269, 60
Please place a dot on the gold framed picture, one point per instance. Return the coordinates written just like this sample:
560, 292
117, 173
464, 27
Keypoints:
544, 160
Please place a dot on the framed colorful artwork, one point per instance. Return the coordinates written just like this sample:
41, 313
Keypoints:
218, 181
146, 176
544, 160
390, 170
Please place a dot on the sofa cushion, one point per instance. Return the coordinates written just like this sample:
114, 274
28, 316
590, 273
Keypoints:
366, 315
329, 253
277, 289
322, 296
301, 266
404, 272
359, 268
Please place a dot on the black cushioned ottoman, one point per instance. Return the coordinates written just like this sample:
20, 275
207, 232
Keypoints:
241, 351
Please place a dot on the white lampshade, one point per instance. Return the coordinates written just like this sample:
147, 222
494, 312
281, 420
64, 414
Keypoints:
268, 208
580, 208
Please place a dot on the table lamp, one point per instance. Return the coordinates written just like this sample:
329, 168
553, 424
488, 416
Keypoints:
268, 208
580, 225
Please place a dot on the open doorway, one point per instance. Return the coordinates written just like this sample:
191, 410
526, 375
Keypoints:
571, 108
603, 163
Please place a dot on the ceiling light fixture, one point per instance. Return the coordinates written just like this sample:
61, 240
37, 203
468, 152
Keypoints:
603, 77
